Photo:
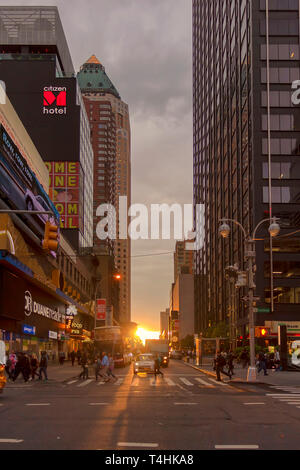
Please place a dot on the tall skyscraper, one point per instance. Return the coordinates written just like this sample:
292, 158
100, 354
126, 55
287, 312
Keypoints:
245, 58
110, 127
37, 69
183, 260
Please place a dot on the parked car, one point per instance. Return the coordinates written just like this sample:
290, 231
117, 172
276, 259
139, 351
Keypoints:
2, 366
144, 363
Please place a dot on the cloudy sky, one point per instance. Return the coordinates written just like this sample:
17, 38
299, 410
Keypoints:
146, 48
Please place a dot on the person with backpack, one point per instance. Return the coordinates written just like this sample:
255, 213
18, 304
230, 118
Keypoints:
43, 366
220, 363
98, 368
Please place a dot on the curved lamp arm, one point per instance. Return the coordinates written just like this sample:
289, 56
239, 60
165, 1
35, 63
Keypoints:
270, 219
236, 223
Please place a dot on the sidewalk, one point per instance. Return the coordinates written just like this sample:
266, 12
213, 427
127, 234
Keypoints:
240, 374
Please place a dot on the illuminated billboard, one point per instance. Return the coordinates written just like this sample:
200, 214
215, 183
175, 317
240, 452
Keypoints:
21, 190
65, 179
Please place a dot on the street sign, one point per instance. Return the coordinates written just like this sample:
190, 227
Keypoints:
263, 309
101, 309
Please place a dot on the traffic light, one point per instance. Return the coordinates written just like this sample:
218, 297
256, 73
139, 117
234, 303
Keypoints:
262, 332
50, 242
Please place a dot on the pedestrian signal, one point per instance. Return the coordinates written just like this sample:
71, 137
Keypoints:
262, 332
50, 242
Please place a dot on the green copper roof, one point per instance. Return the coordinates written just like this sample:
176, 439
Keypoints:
92, 77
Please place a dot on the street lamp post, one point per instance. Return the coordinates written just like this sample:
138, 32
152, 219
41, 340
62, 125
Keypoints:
250, 257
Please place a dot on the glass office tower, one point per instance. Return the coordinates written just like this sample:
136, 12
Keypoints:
245, 58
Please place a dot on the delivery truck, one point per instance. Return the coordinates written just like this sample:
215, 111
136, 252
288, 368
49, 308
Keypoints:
160, 347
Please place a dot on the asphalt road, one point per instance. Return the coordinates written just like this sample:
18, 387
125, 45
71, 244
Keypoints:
184, 410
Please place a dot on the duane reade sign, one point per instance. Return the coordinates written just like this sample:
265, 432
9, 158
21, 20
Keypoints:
31, 306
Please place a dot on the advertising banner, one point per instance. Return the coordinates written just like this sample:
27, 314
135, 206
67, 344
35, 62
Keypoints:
64, 188
101, 309
20, 189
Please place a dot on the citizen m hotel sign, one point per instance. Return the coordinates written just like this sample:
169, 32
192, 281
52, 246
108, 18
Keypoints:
54, 100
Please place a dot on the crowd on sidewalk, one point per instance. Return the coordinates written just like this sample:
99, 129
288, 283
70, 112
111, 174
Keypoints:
27, 365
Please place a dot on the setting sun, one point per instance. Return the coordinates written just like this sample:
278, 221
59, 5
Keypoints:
147, 334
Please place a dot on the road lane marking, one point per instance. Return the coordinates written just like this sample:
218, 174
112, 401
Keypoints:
98, 404
86, 382
237, 446
137, 444
204, 383
185, 403
186, 381
169, 381
11, 441
101, 383
261, 403
72, 382
281, 395
293, 402
37, 404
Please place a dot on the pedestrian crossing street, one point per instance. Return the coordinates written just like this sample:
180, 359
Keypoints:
290, 395
150, 381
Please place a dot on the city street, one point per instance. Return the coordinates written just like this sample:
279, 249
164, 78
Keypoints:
184, 410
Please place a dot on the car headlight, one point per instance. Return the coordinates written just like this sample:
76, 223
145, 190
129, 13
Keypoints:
136, 364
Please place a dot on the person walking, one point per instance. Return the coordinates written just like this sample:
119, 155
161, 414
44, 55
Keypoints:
43, 366
105, 366
84, 364
34, 366
157, 370
73, 356
229, 359
8, 368
262, 363
277, 360
220, 362
61, 358
111, 366
244, 358
98, 367
21, 366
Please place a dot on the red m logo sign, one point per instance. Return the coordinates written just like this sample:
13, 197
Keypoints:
50, 98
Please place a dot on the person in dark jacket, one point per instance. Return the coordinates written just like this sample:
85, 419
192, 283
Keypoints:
43, 365
157, 370
21, 367
84, 364
229, 359
34, 366
73, 356
220, 362
262, 363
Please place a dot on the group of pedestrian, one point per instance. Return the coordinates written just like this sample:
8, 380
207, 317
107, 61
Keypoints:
221, 360
27, 365
103, 364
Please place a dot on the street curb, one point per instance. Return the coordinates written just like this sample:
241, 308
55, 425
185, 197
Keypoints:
232, 382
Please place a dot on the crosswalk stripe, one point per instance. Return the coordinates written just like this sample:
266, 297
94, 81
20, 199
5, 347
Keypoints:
186, 381
206, 384
72, 382
152, 382
217, 382
119, 381
86, 382
169, 382
135, 382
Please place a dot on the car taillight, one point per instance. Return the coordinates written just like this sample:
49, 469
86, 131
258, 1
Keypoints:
2, 367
